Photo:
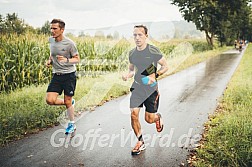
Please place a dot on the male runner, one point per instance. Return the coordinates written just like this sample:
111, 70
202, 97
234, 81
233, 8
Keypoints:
63, 57
144, 90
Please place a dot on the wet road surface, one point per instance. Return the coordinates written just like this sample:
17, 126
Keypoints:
104, 136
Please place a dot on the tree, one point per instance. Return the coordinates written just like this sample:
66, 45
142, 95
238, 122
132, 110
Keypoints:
45, 29
215, 17
30, 29
234, 20
14, 24
203, 13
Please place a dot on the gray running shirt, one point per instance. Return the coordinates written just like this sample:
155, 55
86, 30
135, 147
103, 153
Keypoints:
66, 48
144, 60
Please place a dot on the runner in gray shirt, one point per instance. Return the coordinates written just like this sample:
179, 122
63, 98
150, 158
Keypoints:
63, 57
65, 48
144, 90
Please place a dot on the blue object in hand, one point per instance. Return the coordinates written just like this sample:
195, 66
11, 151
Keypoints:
153, 84
145, 80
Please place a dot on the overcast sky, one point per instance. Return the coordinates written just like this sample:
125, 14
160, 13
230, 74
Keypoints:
86, 14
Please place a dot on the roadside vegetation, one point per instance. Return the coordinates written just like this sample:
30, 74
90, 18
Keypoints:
227, 140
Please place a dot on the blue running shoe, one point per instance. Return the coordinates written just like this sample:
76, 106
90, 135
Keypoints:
71, 127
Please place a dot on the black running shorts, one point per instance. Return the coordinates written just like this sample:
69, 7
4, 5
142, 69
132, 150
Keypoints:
140, 98
63, 82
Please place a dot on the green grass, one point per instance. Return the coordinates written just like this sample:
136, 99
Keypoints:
25, 111
228, 138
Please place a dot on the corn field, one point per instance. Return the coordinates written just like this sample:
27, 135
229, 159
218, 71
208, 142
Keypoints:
23, 58
102, 55
22, 61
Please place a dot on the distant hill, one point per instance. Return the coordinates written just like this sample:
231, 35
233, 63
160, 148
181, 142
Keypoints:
157, 30
185, 29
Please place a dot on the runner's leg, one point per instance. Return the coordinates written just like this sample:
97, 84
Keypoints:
151, 117
69, 106
135, 121
52, 99
137, 129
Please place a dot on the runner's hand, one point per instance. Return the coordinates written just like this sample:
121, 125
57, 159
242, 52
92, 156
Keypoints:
48, 63
124, 77
61, 59
152, 78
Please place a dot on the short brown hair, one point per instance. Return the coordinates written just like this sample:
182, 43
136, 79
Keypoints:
142, 26
61, 22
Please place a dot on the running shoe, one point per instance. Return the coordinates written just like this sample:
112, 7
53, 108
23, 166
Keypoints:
71, 127
140, 146
159, 123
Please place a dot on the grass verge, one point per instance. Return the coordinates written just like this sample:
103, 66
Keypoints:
227, 140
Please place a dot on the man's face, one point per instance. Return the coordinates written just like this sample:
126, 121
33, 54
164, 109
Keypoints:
139, 36
56, 30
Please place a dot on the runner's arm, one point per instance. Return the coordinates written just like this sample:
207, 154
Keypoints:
74, 60
164, 66
49, 61
130, 74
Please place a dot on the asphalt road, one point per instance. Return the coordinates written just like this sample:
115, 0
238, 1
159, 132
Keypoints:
104, 136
